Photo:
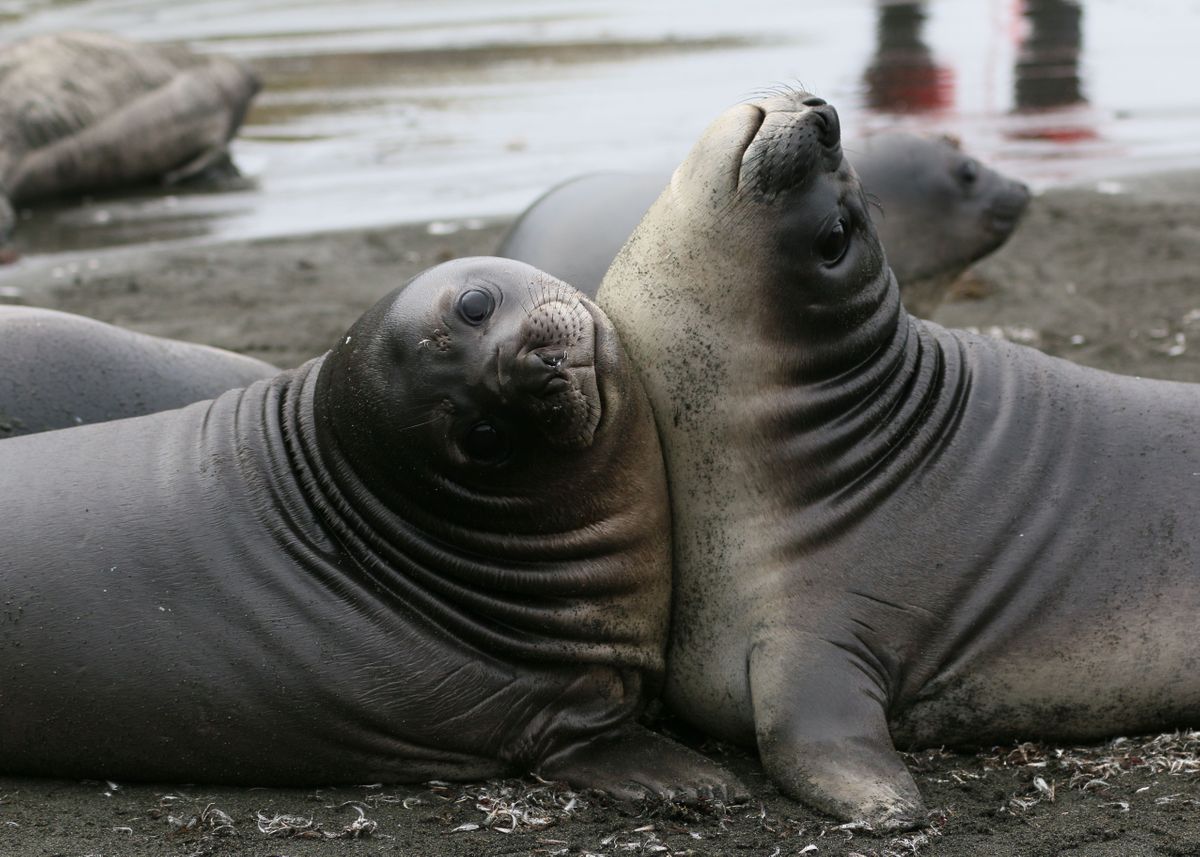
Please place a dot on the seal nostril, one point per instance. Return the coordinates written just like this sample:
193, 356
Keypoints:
813, 101
830, 129
553, 359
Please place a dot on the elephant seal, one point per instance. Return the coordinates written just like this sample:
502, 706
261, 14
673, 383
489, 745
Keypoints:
440, 550
62, 370
84, 111
938, 212
887, 531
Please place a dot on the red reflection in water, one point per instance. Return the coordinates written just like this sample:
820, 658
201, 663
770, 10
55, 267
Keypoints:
1063, 134
903, 76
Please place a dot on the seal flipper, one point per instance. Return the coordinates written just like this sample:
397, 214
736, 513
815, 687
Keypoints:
633, 763
822, 733
212, 165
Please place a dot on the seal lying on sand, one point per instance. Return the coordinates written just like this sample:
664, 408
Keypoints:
89, 111
62, 370
939, 211
441, 550
886, 530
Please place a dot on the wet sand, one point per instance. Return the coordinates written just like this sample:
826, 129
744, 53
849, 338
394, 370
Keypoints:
1107, 275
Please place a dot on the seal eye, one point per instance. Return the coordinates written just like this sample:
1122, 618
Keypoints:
476, 306
968, 172
485, 443
832, 246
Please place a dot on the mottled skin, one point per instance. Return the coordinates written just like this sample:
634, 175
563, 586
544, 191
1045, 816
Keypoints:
62, 370
86, 111
887, 531
441, 550
937, 211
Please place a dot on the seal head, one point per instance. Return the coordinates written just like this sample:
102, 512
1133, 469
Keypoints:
940, 210
490, 408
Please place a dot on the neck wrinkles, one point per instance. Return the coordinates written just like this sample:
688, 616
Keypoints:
849, 418
579, 602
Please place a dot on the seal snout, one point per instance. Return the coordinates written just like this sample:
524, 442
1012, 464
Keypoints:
1008, 207
799, 133
553, 372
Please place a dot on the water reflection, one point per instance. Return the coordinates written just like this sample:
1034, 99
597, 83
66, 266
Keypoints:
1047, 67
377, 112
903, 76
1046, 75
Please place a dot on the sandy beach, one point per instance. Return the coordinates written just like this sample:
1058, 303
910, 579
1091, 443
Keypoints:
1105, 274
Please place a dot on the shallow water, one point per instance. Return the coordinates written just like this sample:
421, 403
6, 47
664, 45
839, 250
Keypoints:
384, 112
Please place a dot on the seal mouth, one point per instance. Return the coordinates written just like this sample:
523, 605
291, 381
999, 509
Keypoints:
555, 371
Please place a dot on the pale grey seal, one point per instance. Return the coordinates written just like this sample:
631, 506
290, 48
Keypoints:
886, 531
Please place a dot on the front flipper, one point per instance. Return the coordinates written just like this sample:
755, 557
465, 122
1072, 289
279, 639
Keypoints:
632, 763
822, 731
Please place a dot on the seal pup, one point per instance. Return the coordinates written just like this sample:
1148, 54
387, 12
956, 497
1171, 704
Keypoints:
938, 211
440, 550
83, 111
886, 531
62, 370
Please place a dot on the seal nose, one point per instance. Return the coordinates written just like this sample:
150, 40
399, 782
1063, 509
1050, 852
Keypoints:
1007, 207
541, 371
829, 127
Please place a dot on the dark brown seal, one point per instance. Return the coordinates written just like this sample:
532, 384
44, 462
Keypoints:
441, 550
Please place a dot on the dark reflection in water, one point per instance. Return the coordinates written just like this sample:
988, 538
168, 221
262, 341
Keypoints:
903, 76
121, 218
1047, 67
1046, 77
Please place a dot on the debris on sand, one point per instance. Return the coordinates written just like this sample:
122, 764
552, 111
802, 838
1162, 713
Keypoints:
298, 826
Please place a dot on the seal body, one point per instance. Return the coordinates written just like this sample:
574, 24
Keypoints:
887, 531
63, 370
84, 111
441, 550
938, 211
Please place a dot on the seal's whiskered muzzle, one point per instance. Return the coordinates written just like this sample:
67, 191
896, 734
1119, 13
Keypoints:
799, 134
